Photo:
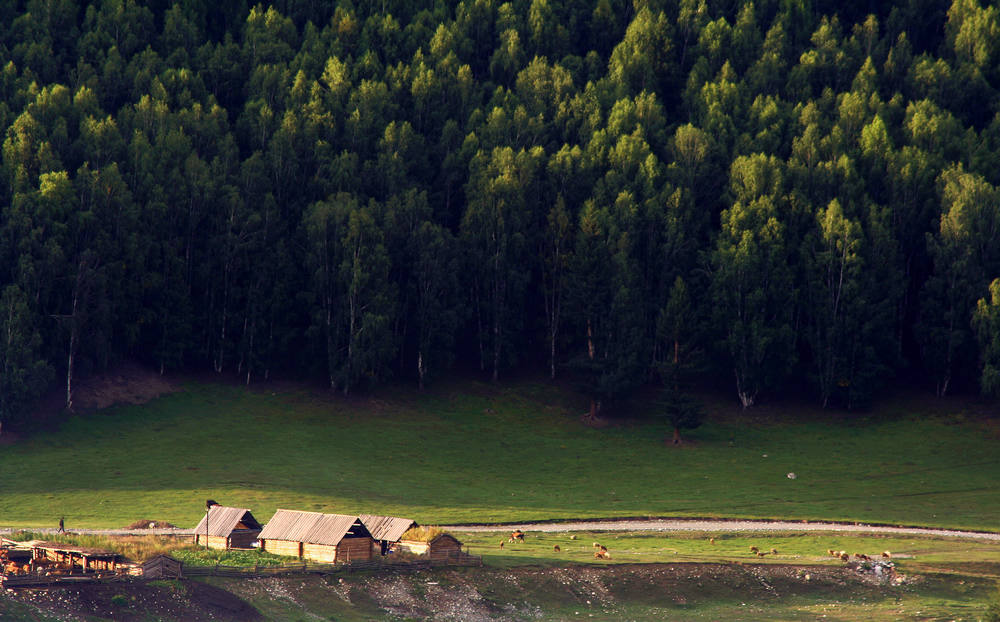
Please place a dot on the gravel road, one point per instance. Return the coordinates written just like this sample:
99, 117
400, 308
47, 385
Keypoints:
105, 532
725, 525
628, 525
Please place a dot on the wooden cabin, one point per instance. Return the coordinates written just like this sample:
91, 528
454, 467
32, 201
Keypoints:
329, 538
386, 530
445, 546
227, 528
441, 547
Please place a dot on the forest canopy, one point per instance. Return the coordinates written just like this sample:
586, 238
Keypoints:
781, 193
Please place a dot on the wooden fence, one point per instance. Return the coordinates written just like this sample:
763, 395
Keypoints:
36, 581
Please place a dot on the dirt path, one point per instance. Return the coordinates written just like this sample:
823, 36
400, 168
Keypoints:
726, 525
674, 524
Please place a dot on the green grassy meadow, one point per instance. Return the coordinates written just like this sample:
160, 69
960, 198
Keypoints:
476, 452
924, 555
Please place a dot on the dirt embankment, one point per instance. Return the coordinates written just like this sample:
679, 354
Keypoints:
471, 594
127, 602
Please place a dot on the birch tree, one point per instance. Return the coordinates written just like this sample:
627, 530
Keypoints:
752, 286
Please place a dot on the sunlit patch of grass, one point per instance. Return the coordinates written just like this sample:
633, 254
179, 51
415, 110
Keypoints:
916, 553
477, 452
200, 556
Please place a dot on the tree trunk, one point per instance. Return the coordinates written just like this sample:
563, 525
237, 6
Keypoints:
746, 397
73, 339
352, 324
479, 329
330, 346
69, 370
552, 355
496, 350
942, 386
421, 370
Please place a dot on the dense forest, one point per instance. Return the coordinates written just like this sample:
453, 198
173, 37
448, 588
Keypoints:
781, 193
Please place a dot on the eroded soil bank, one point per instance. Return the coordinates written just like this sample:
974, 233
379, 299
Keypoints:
613, 592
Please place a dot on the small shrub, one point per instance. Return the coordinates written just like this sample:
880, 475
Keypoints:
119, 600
421, 534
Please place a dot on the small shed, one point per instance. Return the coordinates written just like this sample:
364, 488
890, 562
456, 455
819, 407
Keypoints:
163, 567
441, 547
227, 528
386, 530
445, 546
327, 538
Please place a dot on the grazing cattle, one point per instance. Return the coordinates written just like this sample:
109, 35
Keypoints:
517, 536
844, 557
597, 545
754, 549
556, 548
831, 553
711, 540
761, 554
886, 554
774, 551
501, 544
602, 554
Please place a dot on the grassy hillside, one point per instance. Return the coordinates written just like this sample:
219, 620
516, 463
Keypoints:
482, 453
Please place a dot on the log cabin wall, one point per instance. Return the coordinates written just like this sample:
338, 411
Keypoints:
282, 547
325, 553
214, 542
354, 549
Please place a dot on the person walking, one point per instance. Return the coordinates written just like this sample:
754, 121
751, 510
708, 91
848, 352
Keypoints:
62, 526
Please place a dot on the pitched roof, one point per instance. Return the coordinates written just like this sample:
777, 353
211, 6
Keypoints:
312, 527
389, 528
223, 520
445, 536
